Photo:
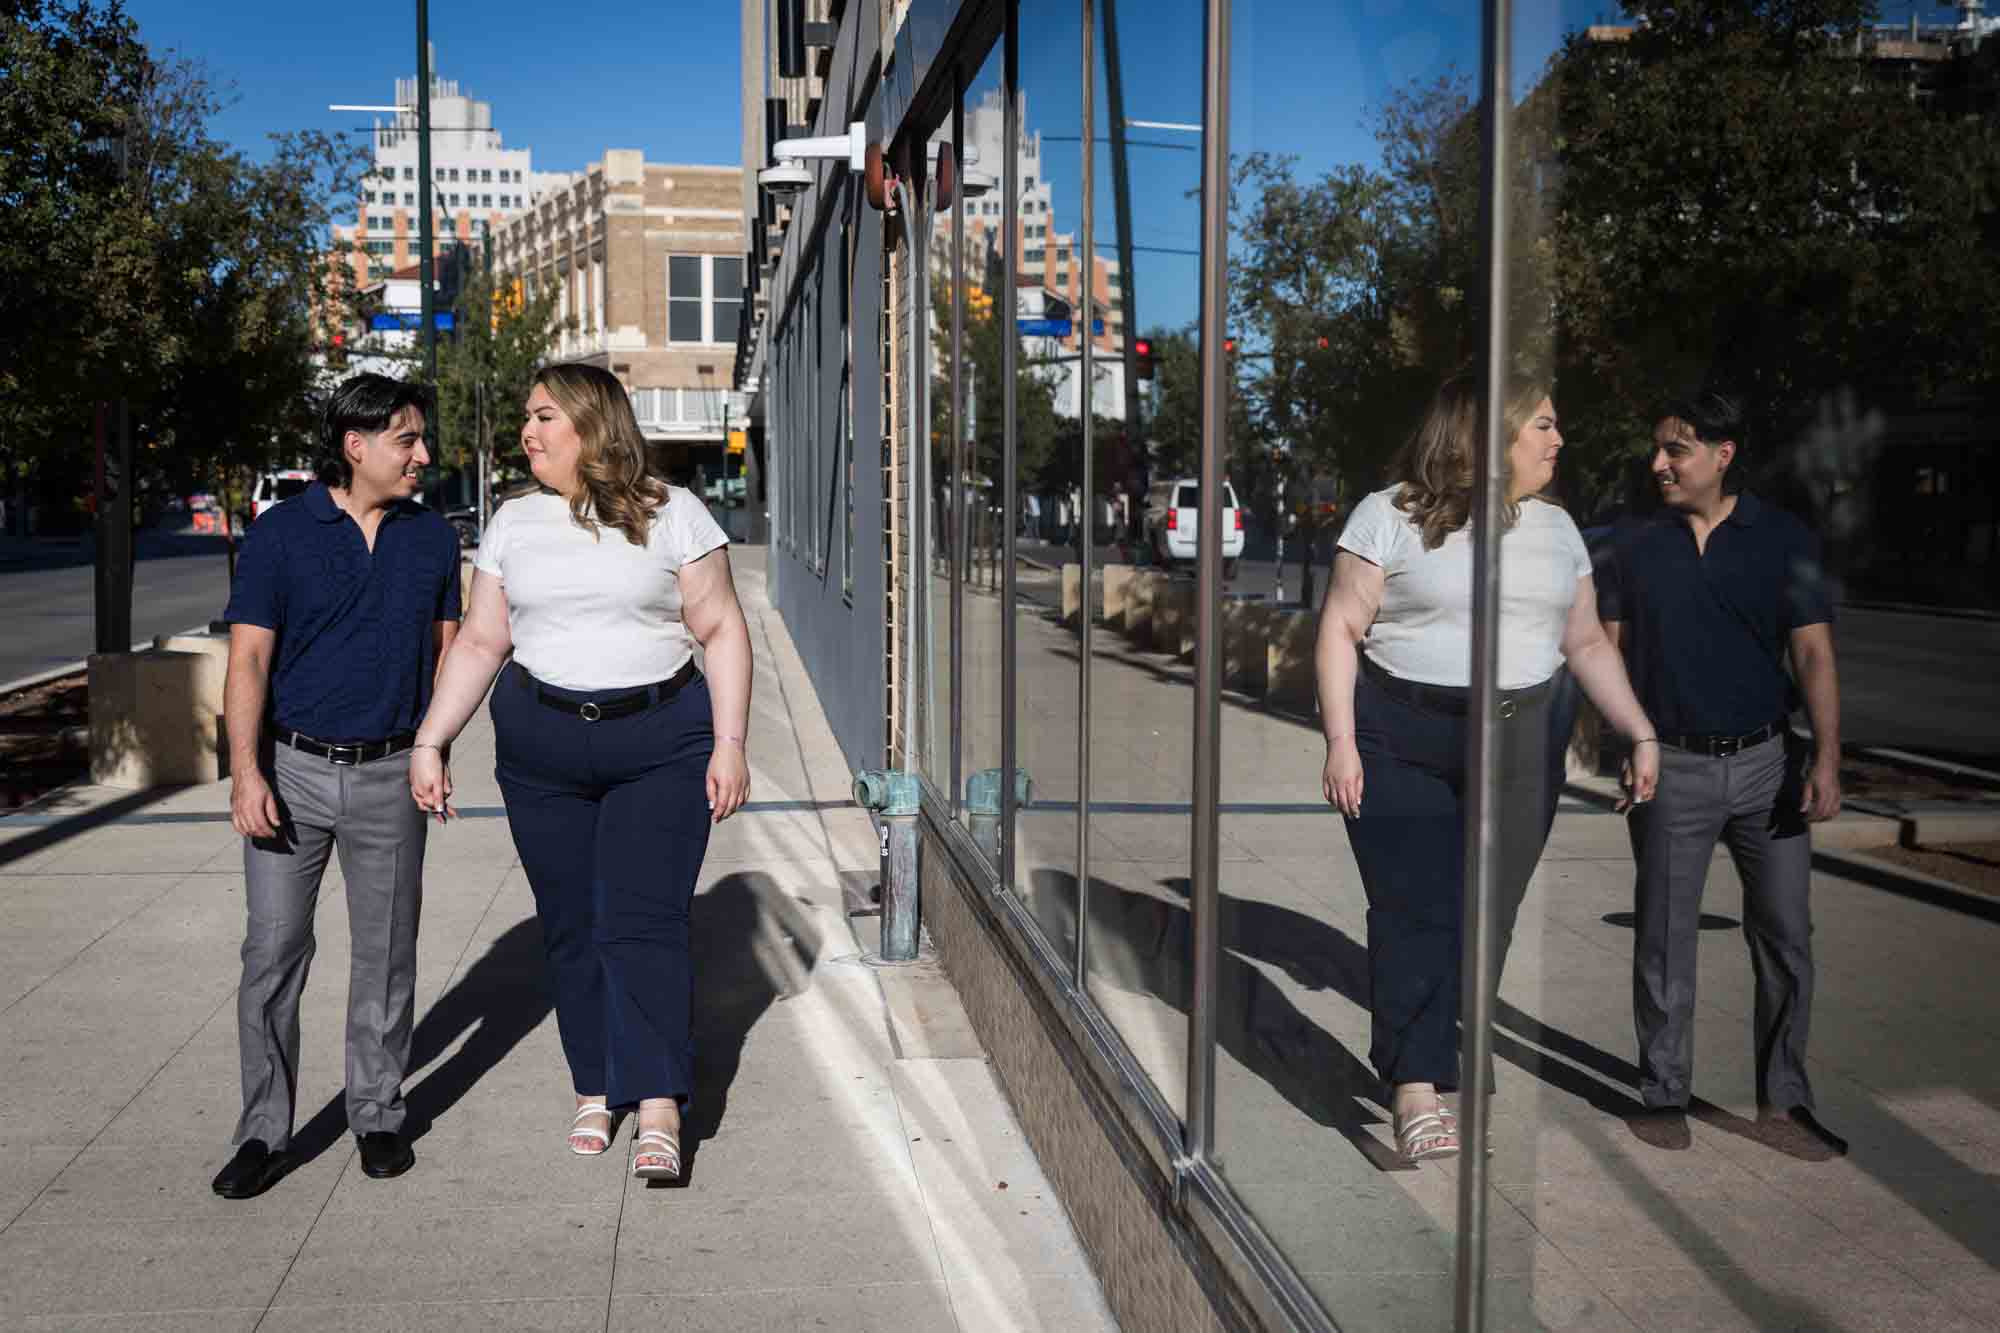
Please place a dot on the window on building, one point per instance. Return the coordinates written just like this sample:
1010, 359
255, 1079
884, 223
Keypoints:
409, 173
684, 298
451, 173
486, 201
1032, 257
728, 294
704, 298
485, 176
409, 199
454, 201
368, 196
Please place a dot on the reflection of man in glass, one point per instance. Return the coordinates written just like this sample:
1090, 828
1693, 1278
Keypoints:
1707, 600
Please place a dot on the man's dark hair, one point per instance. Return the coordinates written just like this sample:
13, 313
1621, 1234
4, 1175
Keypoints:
367, 403
1715, 417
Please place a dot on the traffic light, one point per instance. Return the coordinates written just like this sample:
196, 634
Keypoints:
336, 352
1142, 356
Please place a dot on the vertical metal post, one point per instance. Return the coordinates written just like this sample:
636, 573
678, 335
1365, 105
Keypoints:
1085, 552
1121, 192
426, 240
1004, 311
1205, 873
1477, 968
918, 209
961, 530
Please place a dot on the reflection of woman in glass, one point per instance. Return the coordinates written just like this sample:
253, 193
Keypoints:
1395, 714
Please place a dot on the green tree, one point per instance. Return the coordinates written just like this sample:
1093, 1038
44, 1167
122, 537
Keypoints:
500, 337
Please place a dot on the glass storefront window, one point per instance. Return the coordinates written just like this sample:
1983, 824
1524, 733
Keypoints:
980, 485
1138, 957
1048, 434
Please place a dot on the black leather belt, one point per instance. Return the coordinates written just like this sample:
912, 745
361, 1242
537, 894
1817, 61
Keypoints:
1721, 747
1453, 700
360, 752
623, 705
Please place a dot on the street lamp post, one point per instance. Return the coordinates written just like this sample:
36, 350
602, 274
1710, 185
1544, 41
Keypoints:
426, 243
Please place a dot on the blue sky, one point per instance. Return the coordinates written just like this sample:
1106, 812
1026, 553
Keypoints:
663, 77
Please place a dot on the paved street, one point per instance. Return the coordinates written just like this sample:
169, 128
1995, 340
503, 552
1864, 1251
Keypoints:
852, 1165
47, 599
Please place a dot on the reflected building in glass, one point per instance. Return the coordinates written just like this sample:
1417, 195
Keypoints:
1432, 568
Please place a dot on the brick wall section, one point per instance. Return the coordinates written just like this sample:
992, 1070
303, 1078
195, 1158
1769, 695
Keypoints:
1145, 1257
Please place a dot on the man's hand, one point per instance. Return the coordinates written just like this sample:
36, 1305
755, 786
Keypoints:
253, 807
728, 780
1822, 798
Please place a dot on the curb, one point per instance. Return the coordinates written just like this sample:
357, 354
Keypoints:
1913, 884
1914, 609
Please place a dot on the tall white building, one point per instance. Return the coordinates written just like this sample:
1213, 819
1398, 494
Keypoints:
476, 181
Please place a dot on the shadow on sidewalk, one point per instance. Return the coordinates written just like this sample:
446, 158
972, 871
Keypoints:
751, 946
48, 835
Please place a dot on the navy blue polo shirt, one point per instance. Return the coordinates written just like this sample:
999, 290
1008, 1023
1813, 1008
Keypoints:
355, 648
1706, 632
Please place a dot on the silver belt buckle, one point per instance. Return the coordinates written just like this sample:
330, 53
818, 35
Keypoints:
334, 753
1727, 746
1506, 708
589, 711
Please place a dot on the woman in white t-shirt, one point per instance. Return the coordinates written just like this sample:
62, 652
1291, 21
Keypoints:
614, 754
1394, 661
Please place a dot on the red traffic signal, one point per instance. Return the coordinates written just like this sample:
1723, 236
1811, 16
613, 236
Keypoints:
1142, 355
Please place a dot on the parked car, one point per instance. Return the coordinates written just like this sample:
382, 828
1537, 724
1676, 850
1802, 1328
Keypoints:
1173, 516
277, 486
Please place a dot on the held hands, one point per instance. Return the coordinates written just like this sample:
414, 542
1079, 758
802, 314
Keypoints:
728, 779
430, 782
1640, 776
1342, 780
253, 808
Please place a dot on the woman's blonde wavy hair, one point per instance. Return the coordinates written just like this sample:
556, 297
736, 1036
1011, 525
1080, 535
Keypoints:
615, 488
1435, 464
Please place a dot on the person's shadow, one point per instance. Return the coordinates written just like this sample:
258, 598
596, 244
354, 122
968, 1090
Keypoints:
750, 944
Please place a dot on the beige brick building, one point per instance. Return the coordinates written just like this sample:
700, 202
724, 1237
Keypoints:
647, 262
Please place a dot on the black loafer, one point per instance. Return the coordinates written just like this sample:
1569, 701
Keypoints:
1663, 1127
385, 1153
254, 1169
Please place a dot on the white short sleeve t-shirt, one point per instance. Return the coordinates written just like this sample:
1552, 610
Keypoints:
592, 611
1424, 630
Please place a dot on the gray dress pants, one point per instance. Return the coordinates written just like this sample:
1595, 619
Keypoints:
1750, 801
363, 811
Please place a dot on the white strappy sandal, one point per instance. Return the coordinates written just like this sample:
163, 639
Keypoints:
656, 1155
579, 1130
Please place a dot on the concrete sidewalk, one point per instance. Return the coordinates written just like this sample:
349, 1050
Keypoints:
852, 1162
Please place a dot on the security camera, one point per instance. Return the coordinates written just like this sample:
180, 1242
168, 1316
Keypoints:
785, 179
972, 183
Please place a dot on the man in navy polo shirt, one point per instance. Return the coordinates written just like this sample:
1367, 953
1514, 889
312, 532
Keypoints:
1707, 601
346, 598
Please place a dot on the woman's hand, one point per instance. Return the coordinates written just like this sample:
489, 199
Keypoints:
430, 782
1342, 780
728, 780
1640, 776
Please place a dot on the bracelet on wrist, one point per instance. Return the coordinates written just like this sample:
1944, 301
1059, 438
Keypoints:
734, 740
426, 745
1645, 740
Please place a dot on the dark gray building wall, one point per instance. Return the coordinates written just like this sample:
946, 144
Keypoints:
839, 633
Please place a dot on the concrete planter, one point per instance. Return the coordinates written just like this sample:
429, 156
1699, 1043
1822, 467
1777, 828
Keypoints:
1246, 639
1173, 617
1289, 659
1139, 608
1072, 595
156, 717
1117, 594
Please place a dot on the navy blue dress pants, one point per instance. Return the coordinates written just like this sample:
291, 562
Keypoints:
611, 822
1409, 844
